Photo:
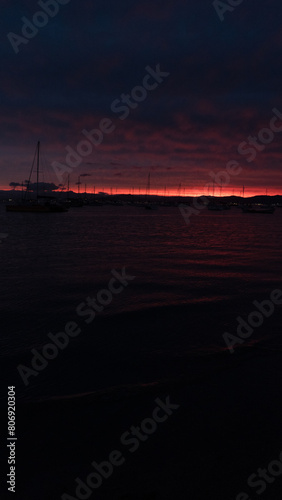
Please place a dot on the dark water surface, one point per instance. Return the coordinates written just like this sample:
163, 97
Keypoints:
195, 279
163, 333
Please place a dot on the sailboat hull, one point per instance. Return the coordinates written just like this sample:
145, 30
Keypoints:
258, 210
35, 208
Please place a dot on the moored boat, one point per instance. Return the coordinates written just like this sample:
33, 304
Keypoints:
258, 209
42, 204
151, 206
36, 207
216, 207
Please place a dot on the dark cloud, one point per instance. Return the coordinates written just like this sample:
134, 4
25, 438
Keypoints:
42, 187
225, 78
32, 186
14, 184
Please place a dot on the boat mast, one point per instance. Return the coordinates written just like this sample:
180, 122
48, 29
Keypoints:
37, 171
149, 185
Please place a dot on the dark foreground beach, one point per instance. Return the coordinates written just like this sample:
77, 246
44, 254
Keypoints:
224, 423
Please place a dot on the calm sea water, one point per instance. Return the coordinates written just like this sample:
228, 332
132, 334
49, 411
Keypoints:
191, 284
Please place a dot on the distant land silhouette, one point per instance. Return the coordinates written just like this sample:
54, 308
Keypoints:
141, 198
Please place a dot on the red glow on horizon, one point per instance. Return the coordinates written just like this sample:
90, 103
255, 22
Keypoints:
173, 191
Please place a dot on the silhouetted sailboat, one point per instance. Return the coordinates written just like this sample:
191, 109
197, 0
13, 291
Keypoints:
258, 209
215, 206
36, 206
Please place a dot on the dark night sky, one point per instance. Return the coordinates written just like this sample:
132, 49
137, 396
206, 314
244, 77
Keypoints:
225, 79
